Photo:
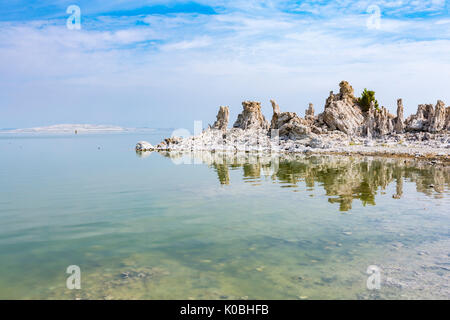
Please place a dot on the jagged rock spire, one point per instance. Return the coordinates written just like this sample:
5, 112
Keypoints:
276, 113
399, 128
310, 111
222, 119
341, 112
346, 92
437, 122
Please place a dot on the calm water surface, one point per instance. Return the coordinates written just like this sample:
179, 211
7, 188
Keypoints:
214, 226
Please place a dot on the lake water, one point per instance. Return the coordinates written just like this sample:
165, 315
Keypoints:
215, 226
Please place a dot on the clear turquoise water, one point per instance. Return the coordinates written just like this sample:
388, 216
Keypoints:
142, 227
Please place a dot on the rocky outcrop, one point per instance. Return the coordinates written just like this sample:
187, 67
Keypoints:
378, 122
341, 112
437, 122
144, 146
428, 119
291, 126
385, 122
288, 124
251, 117
222, 119
346, 93
415, 122
419, 121
169, 142
399, 127
316, 123
342, 125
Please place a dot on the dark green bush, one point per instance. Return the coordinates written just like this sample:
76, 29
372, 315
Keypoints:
366, 98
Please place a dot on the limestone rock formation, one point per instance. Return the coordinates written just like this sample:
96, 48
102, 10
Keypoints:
316, 123
309, 114
290, 125
144, 146
437, 122
399, 128
385, 122
169, 142
222, 119
251, 117
276, 113
342, 124
419, 121
341, 112
346, 92
378, 123
429, 119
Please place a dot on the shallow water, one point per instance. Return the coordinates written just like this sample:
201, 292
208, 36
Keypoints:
214, 226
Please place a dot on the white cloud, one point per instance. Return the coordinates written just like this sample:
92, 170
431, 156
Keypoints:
189, 64
188, 44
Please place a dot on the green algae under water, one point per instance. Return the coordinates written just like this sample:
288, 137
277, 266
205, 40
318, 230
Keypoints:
215, 226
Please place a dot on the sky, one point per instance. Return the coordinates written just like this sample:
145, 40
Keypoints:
165, 64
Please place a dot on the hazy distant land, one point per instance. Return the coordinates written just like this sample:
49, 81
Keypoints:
72, 128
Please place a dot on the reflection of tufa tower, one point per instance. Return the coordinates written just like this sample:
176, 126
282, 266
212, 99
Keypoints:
222, 172
344, 179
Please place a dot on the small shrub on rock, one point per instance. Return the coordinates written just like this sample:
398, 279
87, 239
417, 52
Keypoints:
366, 99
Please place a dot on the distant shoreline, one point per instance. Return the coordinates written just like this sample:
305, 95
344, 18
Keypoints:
75, 129
69, 128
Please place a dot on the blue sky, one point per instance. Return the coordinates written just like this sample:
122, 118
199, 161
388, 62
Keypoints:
168, 63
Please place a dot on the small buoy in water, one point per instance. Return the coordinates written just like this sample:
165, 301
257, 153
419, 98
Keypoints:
76, 131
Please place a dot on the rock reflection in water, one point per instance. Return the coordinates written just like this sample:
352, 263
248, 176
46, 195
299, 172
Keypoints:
343, 178
143, 154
